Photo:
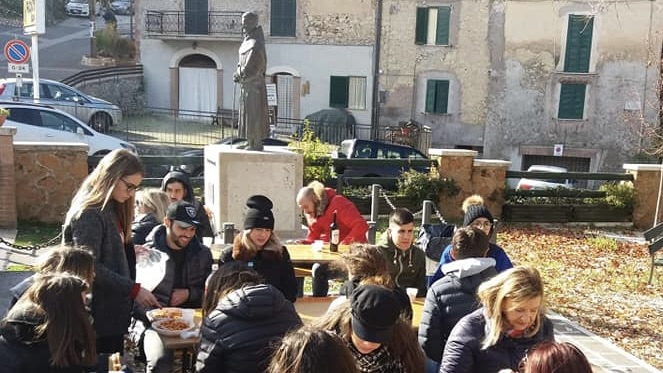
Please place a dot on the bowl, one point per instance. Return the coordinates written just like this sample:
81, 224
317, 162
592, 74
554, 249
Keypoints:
162, 326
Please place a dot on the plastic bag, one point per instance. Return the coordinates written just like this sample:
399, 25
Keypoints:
150, 267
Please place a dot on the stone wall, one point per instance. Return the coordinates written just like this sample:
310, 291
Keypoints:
7, 186
47, 176
126, 92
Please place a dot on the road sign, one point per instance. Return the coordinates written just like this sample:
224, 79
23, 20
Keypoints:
271, 94
18, 68
17, 51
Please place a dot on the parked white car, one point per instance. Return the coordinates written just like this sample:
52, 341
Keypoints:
45, 124
97, 113
77, 8
541, 184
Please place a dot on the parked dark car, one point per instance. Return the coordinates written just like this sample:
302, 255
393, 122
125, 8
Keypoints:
124, 7
355, 148
236, 142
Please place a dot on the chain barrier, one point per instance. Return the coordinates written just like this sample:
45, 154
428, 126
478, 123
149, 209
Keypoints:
32, 248
416, 214
386, 198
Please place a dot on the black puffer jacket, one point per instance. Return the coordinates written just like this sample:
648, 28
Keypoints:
463, 353
238, 336
142, 227
22, 350
449, 299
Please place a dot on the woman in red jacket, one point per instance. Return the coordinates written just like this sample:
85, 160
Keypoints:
319, 204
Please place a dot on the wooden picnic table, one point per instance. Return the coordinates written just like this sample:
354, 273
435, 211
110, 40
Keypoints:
301, 255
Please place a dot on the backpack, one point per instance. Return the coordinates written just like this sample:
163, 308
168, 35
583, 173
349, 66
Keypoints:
433, 238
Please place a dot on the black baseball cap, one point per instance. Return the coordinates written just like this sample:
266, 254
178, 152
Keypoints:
183, 213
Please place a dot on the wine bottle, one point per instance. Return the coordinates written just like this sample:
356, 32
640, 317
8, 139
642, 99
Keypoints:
334, 235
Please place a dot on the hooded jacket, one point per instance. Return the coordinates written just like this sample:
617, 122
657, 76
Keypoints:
502, 261
197, 266
463, 353
407, 268
351, 225
449, 299
240, 333
205, 227
23, 350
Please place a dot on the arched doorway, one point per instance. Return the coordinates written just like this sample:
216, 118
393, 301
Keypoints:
197, 86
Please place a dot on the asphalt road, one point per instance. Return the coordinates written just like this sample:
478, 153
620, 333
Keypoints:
61, 48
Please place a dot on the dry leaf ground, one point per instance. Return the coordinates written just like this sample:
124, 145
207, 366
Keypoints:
596, 281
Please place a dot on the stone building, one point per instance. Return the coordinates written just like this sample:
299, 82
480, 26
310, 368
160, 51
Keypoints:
319, 53
567, 83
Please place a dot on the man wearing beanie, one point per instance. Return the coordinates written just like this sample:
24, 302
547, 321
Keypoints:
261, 249
477, 215
378, 337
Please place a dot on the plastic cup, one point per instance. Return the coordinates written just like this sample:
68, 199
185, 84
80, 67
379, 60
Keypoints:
412, 293
318, 245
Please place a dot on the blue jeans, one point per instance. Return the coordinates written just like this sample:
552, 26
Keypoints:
431, 366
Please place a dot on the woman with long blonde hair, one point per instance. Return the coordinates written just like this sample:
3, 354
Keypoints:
151, 205
497, 336
99, 219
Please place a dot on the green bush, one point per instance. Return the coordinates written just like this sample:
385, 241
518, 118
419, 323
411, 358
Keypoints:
109, 43
425, 186
619, 194
317, 162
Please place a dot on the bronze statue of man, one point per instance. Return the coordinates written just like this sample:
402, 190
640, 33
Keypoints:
253, 121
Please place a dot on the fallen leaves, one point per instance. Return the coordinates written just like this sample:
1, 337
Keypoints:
598, 281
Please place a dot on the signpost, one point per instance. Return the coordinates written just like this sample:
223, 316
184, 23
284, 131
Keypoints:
34, 23
17, 54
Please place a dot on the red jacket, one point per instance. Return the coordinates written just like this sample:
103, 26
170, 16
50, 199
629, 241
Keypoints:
351, 224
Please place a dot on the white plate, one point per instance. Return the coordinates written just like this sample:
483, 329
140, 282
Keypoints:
171, 333
186, 313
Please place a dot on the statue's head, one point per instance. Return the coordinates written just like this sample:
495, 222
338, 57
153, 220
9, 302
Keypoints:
249, 22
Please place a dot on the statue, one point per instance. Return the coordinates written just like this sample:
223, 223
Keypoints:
253, 119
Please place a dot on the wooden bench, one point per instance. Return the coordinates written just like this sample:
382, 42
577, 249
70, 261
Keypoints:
654, 238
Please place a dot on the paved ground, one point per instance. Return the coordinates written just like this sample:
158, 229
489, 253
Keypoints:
604, 356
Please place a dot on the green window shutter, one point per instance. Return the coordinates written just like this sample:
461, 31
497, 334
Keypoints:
578, 43
441, 96
430, 96
421, 31
338, 91
442, 32
283, 17
572, 101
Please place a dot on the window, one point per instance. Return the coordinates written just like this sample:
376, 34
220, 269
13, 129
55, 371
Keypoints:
572, 101
437, 96
283, 17
62, 94
348, 92
578, 43
432, 25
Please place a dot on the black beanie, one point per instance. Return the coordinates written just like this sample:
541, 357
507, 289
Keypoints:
259, 213
474, 212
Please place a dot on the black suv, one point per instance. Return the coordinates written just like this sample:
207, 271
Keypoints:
355, 148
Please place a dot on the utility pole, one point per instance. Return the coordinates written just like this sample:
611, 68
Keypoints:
93, 17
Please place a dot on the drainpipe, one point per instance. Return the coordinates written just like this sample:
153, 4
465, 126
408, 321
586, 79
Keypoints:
375, 114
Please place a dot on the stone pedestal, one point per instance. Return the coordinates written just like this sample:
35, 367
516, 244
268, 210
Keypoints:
646, 181
7, 179
233, 175
454, 164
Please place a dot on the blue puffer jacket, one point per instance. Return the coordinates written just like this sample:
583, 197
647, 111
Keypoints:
463, 353
238, 336
449, 299
197, 266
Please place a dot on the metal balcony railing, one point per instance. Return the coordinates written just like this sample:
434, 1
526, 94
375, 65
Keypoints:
185, 23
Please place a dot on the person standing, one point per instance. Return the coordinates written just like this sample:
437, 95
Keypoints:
259, 247
319, 204
498, 335
178, 187
454, 295
188, 266
251, 75
99, 220
407, 263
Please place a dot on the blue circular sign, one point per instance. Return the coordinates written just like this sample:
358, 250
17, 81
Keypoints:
17, 51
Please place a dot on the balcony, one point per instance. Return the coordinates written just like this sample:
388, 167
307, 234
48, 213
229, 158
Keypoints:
193, 25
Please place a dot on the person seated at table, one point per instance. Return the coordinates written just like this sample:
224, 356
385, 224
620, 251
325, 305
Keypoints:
243, 318
259, 247
454, 295
151, 205
407, 263
178, 187
498, 335
63, 258
309, 349
188, 266
554, 357
319, 205
366, 265
477, 215
371, 326
49, 328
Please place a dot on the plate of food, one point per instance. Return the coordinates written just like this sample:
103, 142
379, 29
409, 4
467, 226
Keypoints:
172, 327
169, 313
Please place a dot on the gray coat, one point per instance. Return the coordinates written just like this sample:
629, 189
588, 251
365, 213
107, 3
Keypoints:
97, 230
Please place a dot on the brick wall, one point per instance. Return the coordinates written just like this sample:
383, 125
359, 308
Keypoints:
7, 189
